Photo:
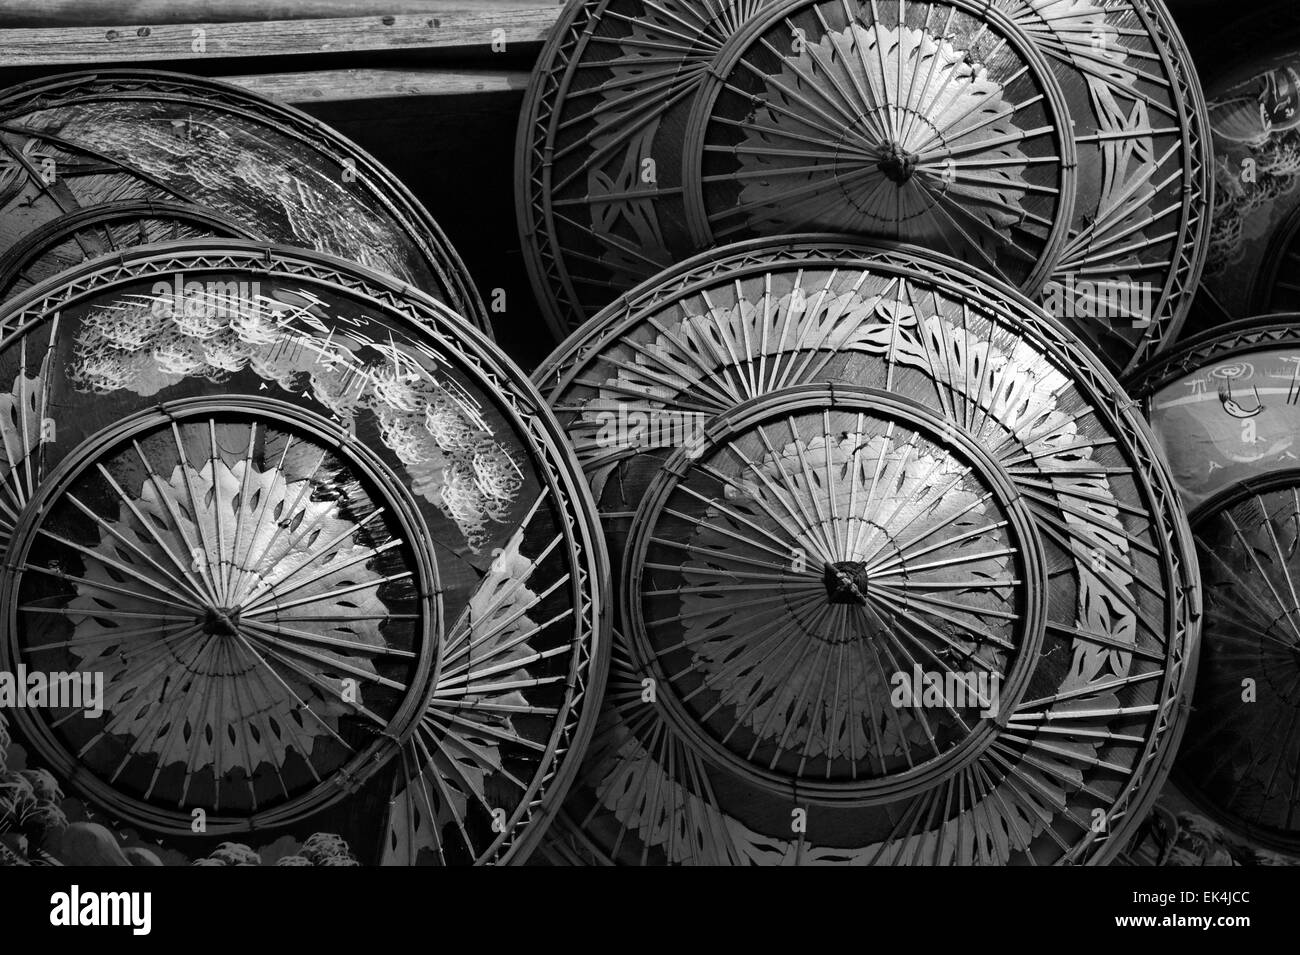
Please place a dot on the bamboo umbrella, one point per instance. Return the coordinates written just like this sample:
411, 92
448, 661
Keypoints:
830, 472
935, 123
318, 538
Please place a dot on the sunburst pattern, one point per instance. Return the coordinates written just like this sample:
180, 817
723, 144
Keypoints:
23, 429
797, 568
1254, 247
891, 167
654, 129
480, 726
605, 110
649, 798
919, 123
327, 548
225, 579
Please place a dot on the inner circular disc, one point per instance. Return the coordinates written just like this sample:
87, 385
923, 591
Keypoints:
933, 123
1091, 735
792, 589
324, 545
231, 578
83, 141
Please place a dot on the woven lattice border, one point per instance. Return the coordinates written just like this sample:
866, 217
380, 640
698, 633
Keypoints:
1250, 334
1198, 182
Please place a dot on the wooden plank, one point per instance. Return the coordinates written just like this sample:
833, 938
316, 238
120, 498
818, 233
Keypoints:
337, 86
69, 46
50, 13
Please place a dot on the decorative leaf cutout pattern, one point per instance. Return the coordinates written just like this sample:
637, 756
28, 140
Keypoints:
459, 773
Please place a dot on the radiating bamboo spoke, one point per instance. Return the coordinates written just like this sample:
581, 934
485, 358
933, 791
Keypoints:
237, 696
1141, 125
899, 135
1243, 733
837, 493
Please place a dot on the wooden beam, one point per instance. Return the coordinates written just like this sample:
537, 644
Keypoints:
337, 86
70, 46
50, 13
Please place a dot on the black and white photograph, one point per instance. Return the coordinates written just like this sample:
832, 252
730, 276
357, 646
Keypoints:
649, 433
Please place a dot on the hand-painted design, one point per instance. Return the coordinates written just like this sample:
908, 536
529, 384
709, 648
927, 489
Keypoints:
1239, 477
318, 849
43, 176
1253, 242
52, 191
936, 123
1105, 698
807, 672
32, 807
1243, 750
1016, 411
459, 768
655, 802
671, 820
1141, 224
207, 150
258, 168
1173, 836
993, 392
625, 220
1229, 420
379, 375
905, 142
155, 341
